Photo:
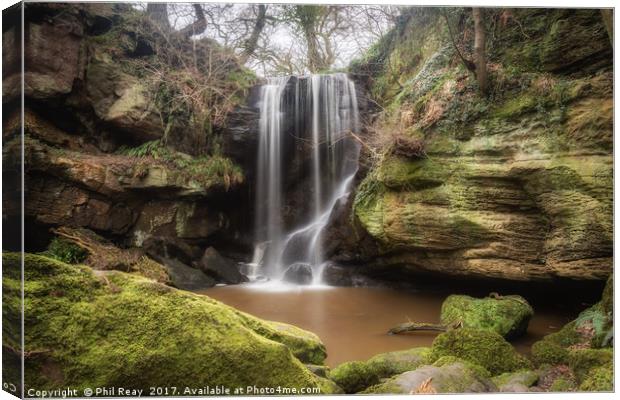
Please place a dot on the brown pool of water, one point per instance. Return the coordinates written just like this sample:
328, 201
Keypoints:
353, 322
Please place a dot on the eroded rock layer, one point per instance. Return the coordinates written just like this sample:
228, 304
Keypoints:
515, 185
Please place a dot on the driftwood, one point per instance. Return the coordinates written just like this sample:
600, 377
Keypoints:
422, 326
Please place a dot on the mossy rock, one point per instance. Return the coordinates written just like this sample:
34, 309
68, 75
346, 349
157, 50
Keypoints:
519, 381
447, 360
563, 384
599, 379
355, 376
450, 376
548, 352
117, 329
509, 315
582, 361
592, 329
485, 348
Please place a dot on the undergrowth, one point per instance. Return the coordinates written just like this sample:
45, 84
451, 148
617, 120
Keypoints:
206, 170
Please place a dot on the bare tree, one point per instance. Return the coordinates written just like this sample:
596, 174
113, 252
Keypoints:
252, 42
479, 49
158, 12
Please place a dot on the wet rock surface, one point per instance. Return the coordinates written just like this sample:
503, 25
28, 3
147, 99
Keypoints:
220, 268
298, 273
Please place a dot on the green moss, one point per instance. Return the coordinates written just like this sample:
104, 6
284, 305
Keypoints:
554, 348
508, 316
150, 269
563, 384
565, 337
485, 348
515, 107
447, 375
582, 361
526, 378
63, 250
206, 171
447, 360
599, 379
122, 330
548, 352
355, 376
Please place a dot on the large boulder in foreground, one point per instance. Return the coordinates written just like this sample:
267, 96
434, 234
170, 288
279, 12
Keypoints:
355, 376
506, 315
113, 329
449, 375
484, 348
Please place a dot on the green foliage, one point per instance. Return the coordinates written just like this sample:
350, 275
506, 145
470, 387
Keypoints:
126, 331
153, 148
508, 316
63, 250
485, 348
193, 83
208, 170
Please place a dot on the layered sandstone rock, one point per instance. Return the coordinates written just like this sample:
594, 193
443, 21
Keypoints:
517, 185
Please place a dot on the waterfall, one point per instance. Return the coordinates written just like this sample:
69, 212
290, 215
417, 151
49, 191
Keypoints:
304, 120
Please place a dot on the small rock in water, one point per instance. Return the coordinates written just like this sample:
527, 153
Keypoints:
299, 273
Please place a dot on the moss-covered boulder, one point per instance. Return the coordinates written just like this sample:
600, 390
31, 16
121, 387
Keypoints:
599, 379
548, 352
485, 348
115, 329
583, 361
519, 381
449, 375
355, 376
507, 315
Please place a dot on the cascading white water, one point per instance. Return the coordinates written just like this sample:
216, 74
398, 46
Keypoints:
324, 111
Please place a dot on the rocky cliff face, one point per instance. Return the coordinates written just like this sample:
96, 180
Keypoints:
111, 142
515, 186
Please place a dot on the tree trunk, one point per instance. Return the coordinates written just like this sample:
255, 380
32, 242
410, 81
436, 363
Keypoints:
198, 26
158, 12
479, 50
315, 60
252, 42
608, 21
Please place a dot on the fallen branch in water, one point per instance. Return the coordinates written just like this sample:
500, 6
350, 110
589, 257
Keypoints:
422, 326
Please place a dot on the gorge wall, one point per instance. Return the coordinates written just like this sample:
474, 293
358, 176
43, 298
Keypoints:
517, 185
